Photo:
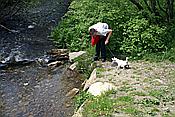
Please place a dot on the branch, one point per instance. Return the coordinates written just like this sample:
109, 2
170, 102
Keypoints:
135, 2
13, 31
12, 8
148, 6
161, 7
170, 8
153, 8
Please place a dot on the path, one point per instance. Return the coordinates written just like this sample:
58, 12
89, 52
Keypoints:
144, 90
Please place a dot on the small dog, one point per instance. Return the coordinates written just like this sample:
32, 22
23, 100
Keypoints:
120, 63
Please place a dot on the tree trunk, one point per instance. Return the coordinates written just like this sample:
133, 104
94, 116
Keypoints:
137, 4
153, 7
170, 9
148, 7
163, 10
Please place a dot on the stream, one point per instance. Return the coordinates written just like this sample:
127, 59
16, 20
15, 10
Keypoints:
32, 90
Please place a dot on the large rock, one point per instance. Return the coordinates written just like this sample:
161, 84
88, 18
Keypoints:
72, 92
74, 55
91, 80
98, 88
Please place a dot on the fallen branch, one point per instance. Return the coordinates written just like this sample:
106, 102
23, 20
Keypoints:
13, 31
56, 63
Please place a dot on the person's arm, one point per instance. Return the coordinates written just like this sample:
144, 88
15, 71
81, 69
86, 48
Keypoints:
109, 34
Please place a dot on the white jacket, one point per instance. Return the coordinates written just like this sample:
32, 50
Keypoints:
101, 28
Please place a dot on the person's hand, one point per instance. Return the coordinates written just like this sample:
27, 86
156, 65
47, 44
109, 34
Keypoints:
106, 42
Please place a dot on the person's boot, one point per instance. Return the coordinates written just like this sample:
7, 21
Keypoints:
95, 58
103, 59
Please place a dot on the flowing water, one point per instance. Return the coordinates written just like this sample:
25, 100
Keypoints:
31, 90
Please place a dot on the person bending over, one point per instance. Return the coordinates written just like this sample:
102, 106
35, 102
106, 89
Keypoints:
100, 34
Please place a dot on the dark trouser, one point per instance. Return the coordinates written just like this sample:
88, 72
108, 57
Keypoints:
100, 47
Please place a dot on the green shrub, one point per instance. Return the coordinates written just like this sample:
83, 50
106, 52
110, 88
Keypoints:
72, 32
132, 33
81, 98
140, 37
85, 63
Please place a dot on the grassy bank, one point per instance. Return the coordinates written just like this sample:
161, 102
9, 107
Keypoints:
147, 89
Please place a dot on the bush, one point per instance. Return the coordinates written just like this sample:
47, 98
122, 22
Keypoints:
85, 63
132, 33
140, 37
72, 32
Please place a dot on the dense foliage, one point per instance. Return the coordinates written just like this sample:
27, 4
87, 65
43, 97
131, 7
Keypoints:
133, 33
157, 10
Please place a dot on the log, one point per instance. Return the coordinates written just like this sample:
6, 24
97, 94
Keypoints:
13, 31
58, 52
58, 58
56, 63
58, 55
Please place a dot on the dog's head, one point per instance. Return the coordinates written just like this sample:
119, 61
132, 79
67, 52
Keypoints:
115, 59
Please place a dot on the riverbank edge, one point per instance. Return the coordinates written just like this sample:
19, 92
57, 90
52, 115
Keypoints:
145, 80
88, 81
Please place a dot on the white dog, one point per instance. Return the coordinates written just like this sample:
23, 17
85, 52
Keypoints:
120, 63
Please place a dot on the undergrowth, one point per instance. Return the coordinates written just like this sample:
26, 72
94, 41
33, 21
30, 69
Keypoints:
85, 63
133, 34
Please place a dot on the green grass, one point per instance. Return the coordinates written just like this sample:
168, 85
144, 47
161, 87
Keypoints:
157, 93
168, 115
133, 111
99, 106
99, 72
85, 63
137, 93
147, 102
127, 99
104, 105
81, 98
126, 88
153, 112
158, 57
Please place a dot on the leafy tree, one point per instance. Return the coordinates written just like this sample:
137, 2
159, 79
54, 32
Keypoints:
134, 33
161, 9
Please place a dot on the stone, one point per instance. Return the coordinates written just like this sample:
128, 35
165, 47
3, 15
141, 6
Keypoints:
55, 63
78, 113
74, 55
99, 87
120, 115
158, 81
72, 92
25, 84
90, 80
73, 66
31, 26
